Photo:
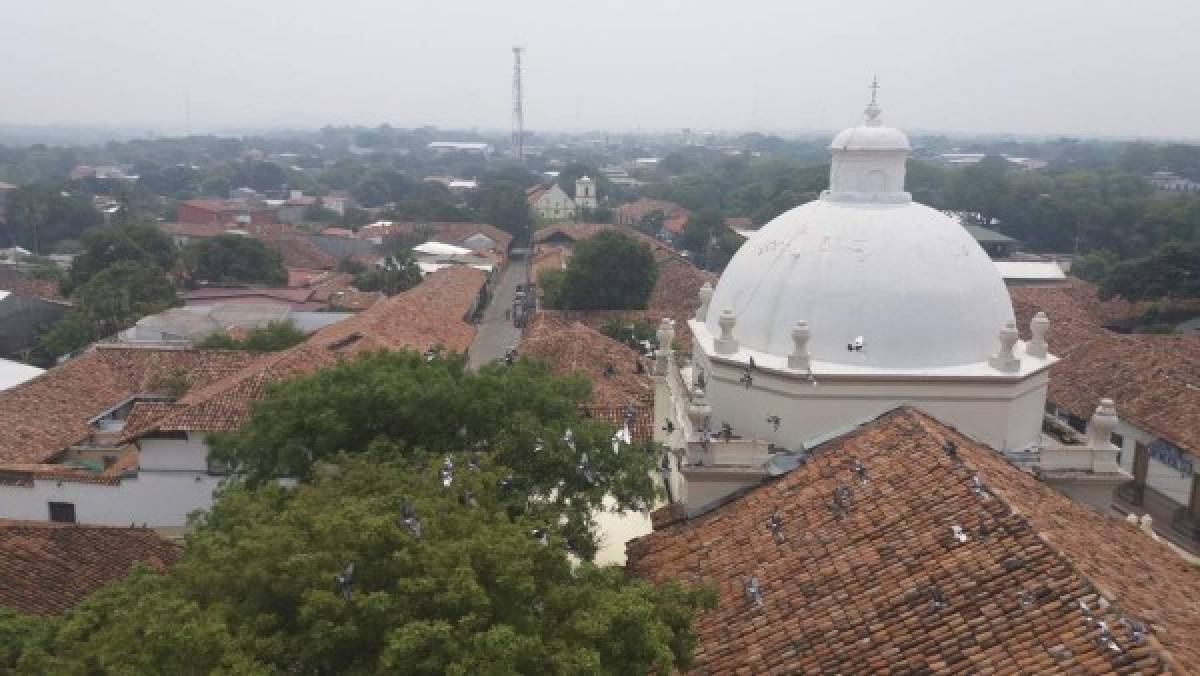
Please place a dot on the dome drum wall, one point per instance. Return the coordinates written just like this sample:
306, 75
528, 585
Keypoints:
1003, 412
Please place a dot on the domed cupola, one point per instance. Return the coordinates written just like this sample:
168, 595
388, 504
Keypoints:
881, 281
868, 161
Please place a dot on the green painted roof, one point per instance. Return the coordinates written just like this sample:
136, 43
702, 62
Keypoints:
982, 234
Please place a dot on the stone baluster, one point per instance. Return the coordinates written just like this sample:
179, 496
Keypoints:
706, 293
799, 358
1004, 359
1038, 326
727, 344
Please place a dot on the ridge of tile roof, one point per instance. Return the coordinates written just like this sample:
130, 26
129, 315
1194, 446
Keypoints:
1153, 379
47, 567
891, 585
41, 417
430, 314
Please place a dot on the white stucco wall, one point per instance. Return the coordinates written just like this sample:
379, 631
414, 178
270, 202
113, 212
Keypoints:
157, 499
1003, 415
1161, 477
172, 482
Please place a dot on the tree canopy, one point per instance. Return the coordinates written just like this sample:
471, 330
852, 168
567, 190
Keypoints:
1170, 271
233, 259
112, 300
140, 243
503, 204
372, 566
517, 416
275, 336
40, 215
398, 273
610, 271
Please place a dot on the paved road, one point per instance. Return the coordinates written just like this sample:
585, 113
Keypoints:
496, 334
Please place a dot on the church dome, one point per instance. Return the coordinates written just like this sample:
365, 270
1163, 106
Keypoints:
865, 264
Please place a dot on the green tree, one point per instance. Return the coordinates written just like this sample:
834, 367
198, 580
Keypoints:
398, 273
275, 336
517, 416
42, 214
1170, 271
474, 590
233, 259
503, 204
610, 271
110, 301
123, 293
143, 244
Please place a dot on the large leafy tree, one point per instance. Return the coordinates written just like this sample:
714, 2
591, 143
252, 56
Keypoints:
503, 204
522, 417
1170, 271
111, 300
141, 243
233, 259
610, 271
451, 583
40, 215
399, 272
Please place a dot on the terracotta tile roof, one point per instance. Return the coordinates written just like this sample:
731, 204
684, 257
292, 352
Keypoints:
740, 222
533, 194
47, 568
1153, 379
195, 230
445, 232
13, 281
337, 232
306, 277
547, 258
890, 587
632, 212
641, 428
433, 313
41, 417
571, 347
299, 252
581, 231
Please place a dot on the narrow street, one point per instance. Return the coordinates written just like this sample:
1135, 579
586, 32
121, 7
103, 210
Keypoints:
496, 333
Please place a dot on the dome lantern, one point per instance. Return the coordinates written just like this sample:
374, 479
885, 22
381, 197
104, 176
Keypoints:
868, 161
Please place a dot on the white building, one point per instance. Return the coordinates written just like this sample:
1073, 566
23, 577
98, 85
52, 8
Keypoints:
837, 311
552, 203
585, 193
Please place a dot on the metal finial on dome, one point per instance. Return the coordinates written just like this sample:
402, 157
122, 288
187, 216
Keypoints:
873, 109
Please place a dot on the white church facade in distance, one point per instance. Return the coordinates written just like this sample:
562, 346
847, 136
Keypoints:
837, 311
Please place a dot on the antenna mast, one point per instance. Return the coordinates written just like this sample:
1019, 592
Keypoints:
518, 119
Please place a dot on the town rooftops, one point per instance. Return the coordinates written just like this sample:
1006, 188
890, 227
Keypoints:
1153, 379
434, 313
905, 546
46, 568
43, 416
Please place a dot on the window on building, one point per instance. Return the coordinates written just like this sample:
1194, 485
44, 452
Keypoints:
1118, 440
62, 512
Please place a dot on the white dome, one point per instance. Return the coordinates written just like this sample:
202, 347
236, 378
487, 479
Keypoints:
908, 280
865, 137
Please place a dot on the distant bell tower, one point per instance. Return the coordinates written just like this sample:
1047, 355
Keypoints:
585, 193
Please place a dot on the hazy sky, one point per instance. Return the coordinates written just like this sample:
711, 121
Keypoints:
1106, 67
